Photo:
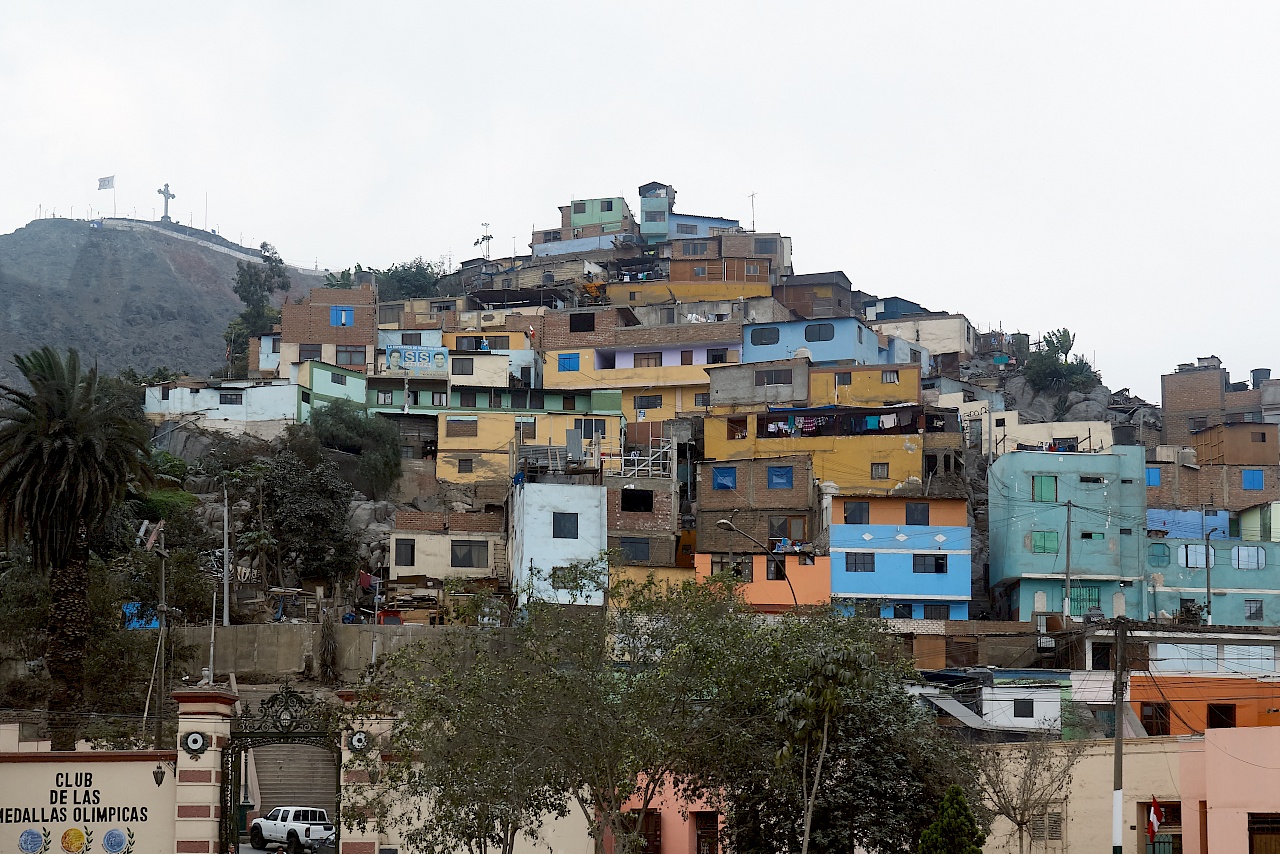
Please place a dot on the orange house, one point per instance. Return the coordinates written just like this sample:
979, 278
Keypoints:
768, 593
1188, 705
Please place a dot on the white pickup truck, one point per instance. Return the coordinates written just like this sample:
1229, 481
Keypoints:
297, 828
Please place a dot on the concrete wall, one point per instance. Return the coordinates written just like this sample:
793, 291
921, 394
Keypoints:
261, 403
894, 578
998, 706
947, 334
852, 340
535, 550
432, 555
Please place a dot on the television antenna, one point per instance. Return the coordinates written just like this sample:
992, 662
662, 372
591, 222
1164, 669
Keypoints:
484, 238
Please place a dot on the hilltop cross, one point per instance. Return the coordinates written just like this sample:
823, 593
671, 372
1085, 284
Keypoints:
167, 196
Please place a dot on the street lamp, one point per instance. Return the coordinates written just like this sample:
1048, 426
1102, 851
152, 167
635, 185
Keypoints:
727, 525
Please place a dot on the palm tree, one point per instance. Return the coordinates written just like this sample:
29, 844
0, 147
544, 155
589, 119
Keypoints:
68, 451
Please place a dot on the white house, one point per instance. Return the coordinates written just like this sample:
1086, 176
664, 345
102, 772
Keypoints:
553, 526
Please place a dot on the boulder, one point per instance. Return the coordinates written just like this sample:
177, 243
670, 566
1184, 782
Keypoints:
361, 515
1101, 394
1019, 393
1088, 410
1074, 397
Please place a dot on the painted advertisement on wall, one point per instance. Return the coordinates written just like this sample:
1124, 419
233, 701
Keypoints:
430, 362
66, 806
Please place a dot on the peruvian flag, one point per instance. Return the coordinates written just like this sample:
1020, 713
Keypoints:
1154, 819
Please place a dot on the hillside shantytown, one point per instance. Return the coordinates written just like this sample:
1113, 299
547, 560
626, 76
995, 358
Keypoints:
672, 399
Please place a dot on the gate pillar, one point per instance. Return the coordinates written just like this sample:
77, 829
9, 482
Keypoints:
204, 729
355, 841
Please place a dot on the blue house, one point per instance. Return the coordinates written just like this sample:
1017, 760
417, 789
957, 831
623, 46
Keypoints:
916, 572
832, 339
1244, 580
1047, 507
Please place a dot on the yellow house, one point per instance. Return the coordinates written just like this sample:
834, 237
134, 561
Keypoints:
864, 385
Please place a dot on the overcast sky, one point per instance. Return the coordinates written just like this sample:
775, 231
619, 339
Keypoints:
1109, 167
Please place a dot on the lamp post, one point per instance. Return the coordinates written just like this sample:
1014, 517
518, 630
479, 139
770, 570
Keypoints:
727, 525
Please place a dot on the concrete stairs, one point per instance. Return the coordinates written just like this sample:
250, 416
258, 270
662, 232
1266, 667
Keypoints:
297, 775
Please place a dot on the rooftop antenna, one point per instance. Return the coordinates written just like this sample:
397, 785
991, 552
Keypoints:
484, 238
752, 197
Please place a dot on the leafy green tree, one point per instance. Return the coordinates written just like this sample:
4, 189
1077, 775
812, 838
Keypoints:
1059, 343
416, 279
343, 426
306, 510
255, 284
68, 453
955, 831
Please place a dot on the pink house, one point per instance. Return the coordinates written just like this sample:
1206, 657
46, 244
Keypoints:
674, 825
1231, 791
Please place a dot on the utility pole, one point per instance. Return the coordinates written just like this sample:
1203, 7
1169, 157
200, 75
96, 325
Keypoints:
1208, 570
163, 612
1117, 794
226, 556
1066, 582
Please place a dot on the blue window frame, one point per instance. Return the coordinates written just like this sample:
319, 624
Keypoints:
1153, 476
724, 478
567, 362
1251, 479
342, 315
780, 477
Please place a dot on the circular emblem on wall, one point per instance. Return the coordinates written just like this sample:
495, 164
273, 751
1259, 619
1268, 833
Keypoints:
195, 743
30, 841
359, 741
114, 841
73, 840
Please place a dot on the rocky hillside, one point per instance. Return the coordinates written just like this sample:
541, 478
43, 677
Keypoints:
135, 297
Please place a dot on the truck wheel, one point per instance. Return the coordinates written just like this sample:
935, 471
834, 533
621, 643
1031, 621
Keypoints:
255, 838
294, 845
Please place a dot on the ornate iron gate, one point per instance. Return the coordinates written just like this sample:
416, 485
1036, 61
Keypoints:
286, 717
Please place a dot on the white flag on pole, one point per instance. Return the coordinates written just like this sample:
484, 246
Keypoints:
108, 183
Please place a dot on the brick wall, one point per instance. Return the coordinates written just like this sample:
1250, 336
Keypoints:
479, 523
1191, 394
754, 502
556, 334
1218, 486
662, 548
723, 332
661, 521
308, 323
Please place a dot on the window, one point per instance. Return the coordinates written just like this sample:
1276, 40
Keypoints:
859, 334
700, 270
633, 295
592, 428
1153, 476
902, 611
1125, 532
752, 269
1253, 609
693, 249
820, 332
935, 564
386, 398
647, 360
469, 553
1257, 437
787, 527
724, 477
438, 398
606, 205
350, 355
567, 362
857, 512
274, 815
999, 422
1089, 478
338, 379
778, 376
1158, 554
780, 477
461, 427
585, 322
1199, 423
736, 427
765, 246
1044, 487
879, 471
1092, 535
275, 344
887, 377
1024, 708
764, 336
655, 216
1155, 718
1044, 542
164, 392
547, 237
564, 526
1248, 557
702, 398
1193, 556
467, 398
404, 552
636, 500
686, 228
648, 401
635, 548
306, 396
844, 378
579, 207
466, 465
462, 366
859, 561
342, 315
917, 513
1251, 479
1084, 597
411, 338
231, 398
915, 356
526, 430
717, 356
1047, 826
568, 402
1100, 656
1220, 716
937, 612
310, 352
686, 357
